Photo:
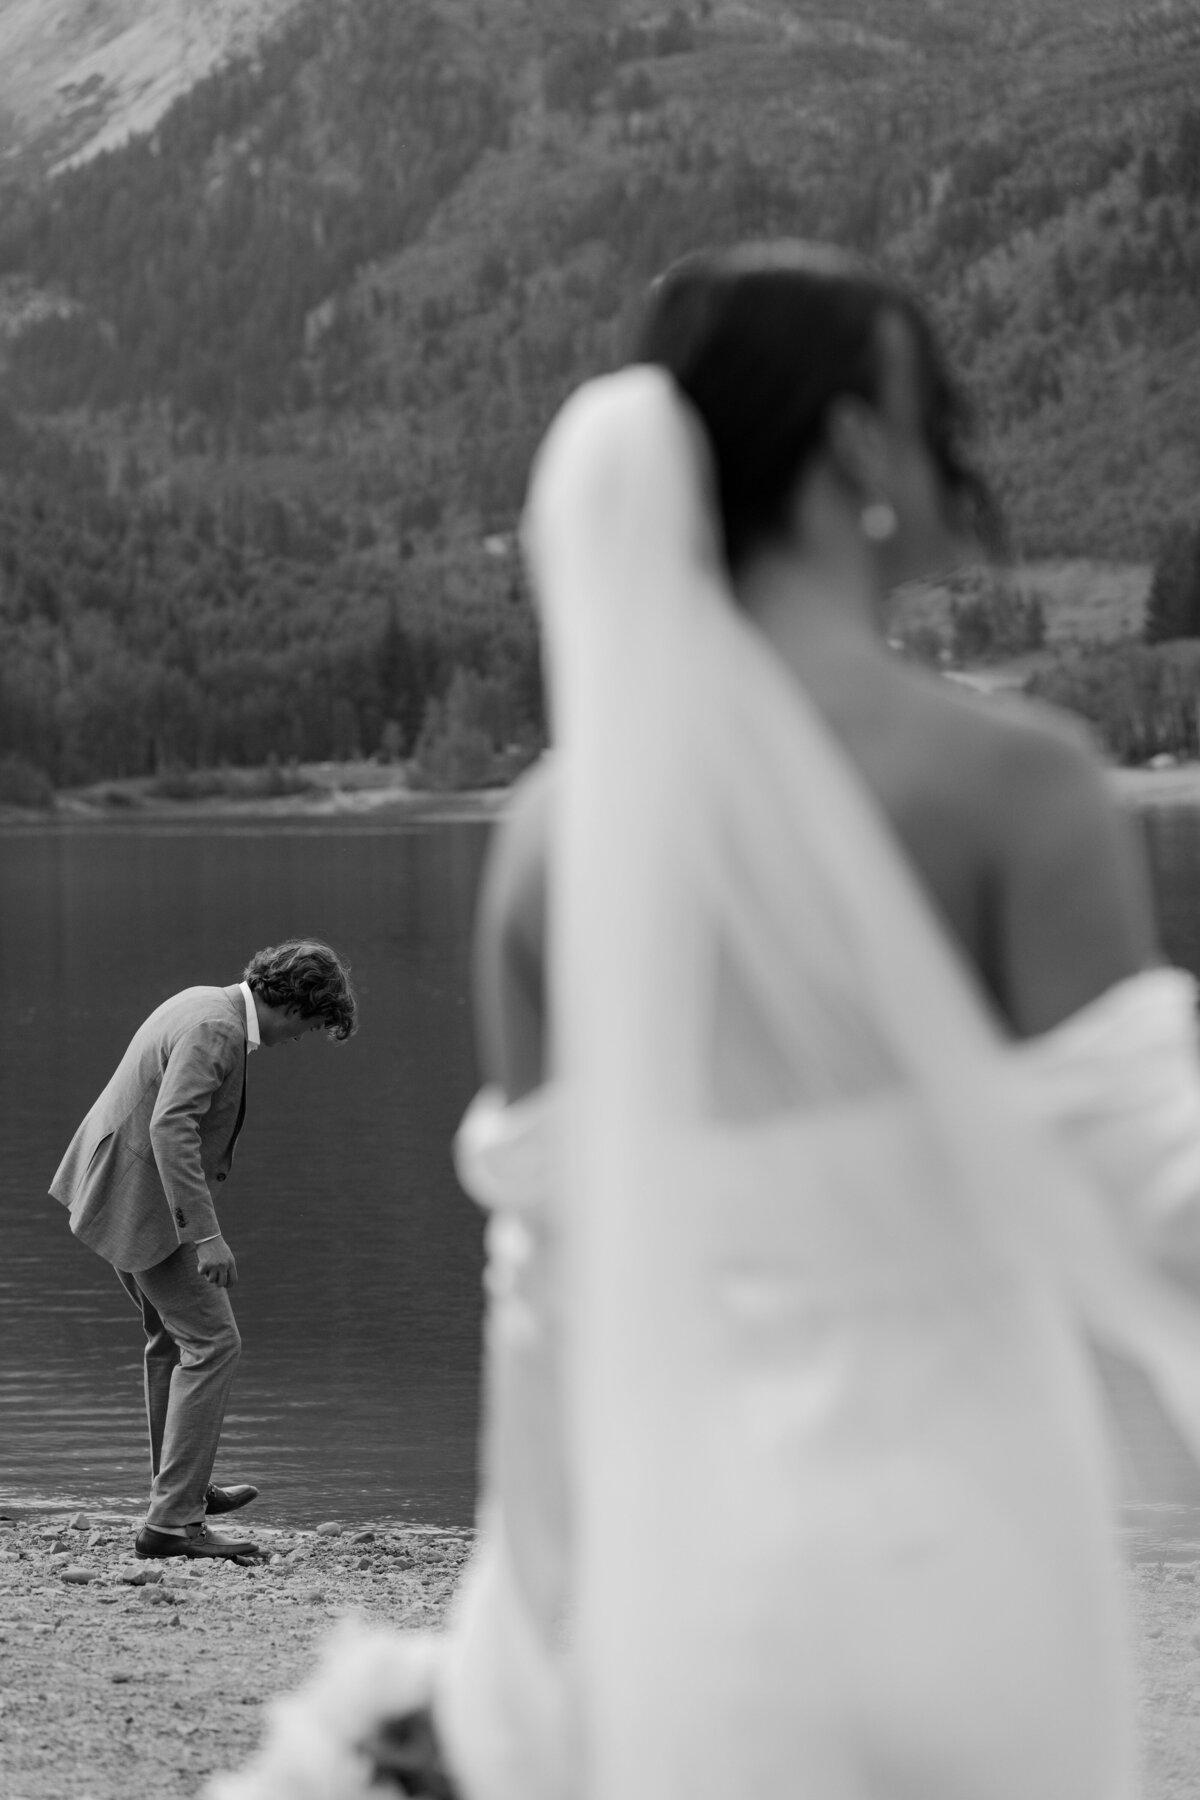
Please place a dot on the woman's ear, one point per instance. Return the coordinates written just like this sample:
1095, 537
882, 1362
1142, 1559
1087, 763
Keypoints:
857, 448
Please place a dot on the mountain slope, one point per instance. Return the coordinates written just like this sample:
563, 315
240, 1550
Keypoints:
309, 329
80, 76
394, 209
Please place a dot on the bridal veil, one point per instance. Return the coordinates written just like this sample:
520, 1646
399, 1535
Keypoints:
839, 1483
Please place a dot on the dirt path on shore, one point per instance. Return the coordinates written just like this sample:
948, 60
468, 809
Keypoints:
114, 1691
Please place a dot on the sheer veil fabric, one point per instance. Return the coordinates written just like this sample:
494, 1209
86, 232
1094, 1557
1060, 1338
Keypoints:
839, 1489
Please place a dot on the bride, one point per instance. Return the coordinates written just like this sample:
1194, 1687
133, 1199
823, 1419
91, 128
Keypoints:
837, 1105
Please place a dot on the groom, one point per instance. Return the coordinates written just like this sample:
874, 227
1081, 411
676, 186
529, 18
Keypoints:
138, 1179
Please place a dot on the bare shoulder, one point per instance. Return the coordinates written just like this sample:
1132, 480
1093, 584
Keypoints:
517, 852
530, 798
510, 936
1036, 761
1006, 807
1071, 894
1003, 759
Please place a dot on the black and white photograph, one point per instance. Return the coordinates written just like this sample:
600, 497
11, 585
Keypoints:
600, 899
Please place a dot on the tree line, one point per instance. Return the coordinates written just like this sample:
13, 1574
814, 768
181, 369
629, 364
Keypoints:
158, 633
1142, 694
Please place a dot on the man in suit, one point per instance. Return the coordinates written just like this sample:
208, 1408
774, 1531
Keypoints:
138, 1179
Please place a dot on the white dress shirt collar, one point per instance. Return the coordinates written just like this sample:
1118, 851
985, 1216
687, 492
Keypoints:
253, 1038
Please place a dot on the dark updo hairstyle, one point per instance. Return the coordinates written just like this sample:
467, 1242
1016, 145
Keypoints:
762, 339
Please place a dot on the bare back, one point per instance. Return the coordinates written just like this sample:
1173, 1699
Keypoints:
1001, 808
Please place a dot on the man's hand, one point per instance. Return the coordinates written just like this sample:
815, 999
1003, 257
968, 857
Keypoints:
214, 1259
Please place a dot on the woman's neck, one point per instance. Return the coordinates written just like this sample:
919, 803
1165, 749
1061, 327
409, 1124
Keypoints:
815, 606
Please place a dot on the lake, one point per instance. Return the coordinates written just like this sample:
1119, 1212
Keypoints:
359, 1257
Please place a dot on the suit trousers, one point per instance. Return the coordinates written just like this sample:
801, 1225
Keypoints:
192, 1347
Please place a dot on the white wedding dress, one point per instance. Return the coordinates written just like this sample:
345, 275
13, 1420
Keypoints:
797, 1484
501, 1701
841, 1490
1118, 1086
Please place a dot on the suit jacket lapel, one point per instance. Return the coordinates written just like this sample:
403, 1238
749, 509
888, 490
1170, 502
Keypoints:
237, 1000
241, 1114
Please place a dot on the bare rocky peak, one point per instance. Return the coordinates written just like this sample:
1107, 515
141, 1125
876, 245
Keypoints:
78, 76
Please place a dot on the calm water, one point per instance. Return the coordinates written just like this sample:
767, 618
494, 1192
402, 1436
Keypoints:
358, 1255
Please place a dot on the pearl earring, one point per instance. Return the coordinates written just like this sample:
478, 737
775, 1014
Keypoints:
878, 522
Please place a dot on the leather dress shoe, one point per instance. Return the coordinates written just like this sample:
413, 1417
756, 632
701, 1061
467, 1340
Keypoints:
223, 1500
197, 1540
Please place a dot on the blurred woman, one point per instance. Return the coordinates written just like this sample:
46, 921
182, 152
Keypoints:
832, 945
835, 1101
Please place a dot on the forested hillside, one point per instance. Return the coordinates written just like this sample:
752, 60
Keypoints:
273, 372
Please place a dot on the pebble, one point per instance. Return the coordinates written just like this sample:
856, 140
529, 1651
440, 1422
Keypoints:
330, 1529
80, 1522
137, 1575
363, 1537
78, 1577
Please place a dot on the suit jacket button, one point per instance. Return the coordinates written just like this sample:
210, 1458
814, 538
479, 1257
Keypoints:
220, 1178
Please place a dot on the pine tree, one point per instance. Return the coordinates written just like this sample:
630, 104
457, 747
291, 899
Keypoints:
1173, 603
1151, 176
1187, 152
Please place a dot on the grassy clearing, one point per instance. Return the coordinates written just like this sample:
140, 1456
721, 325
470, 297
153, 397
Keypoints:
1084, 601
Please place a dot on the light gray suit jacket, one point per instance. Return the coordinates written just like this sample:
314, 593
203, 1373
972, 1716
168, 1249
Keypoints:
137, 1173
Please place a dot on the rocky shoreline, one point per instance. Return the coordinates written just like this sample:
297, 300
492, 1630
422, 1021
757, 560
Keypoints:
127, 1680
1175, 784
376, 796
1165, 1600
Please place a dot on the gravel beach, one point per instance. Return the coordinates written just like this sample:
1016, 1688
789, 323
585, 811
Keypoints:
125, 1680
1166, 1600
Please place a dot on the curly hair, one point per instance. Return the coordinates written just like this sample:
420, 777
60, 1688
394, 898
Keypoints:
306, 976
